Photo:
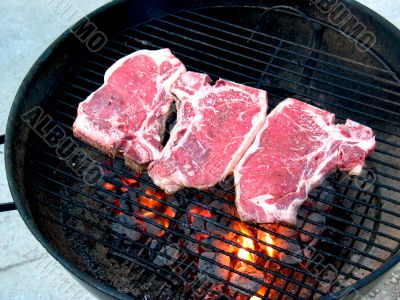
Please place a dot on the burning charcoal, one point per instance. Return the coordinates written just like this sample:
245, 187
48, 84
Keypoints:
153, 229
169, 255
212, 268
221, 220
133, 234
287, 231
303, 213
220, 206
249, 284
327, 196
218, 230
221, 245
292, 248
197, 217
313, 228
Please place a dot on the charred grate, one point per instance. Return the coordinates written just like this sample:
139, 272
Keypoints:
131, 236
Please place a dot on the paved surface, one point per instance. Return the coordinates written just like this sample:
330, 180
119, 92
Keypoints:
26, 29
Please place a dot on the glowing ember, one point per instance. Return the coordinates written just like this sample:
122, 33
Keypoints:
109, 186
245, 243
261, 292
149, 202
128, 181
117, 203
165, 222
199, 211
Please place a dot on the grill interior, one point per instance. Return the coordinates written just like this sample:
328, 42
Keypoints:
310, 61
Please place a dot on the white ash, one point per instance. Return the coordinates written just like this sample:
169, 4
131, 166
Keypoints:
292, 248
316, 229
133, 234
249, 284
192, 246
153, 244
168, 255
212, 268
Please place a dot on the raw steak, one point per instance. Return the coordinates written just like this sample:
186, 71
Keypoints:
296, 149
215, 126
127, 114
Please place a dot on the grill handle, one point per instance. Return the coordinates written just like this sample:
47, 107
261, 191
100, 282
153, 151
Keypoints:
11, 205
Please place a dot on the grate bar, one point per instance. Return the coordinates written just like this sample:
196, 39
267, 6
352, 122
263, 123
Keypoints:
301, 46
179, 46
241, 55
166, 242
224, 227
377, 139
274, 56
244, 75
330, 180
328, 215
256, 79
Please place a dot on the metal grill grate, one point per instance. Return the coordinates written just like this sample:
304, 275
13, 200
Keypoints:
362, 233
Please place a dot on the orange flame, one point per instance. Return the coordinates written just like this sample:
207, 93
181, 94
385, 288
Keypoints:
246, 243
261, 292
270, 250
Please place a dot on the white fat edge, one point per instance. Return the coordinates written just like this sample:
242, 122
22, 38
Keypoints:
256, 123
165, 182
336, 135
272, 213
82, 122
159, 56
84, 127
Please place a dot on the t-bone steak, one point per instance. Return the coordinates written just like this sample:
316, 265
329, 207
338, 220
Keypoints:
215, 126
296, 149
127, 114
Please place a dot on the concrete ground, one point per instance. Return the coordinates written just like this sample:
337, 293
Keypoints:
26, 29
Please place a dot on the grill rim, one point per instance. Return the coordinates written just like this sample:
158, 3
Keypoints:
15, 140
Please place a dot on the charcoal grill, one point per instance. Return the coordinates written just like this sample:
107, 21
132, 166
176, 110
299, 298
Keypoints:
84, 219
